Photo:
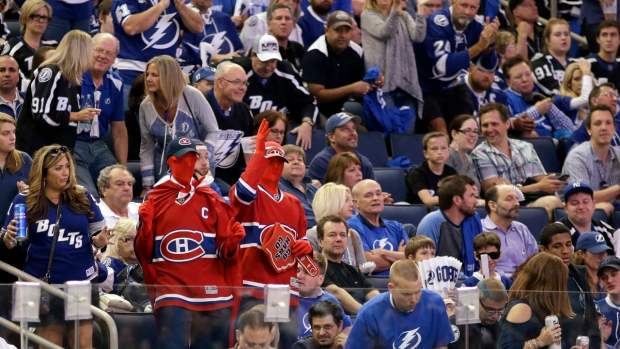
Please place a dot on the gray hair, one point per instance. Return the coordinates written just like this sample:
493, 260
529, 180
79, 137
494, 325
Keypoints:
106, 175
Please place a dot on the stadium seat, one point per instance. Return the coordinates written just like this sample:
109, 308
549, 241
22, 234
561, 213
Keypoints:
535, 218
13, 27
545, 148
412, 214
409, 145
599, 214
379, 282
136, 330
481, 211
372, 146
134, 168
392, 180
616, 216
318, 143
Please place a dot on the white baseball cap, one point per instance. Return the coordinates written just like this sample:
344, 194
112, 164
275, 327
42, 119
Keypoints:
266, 48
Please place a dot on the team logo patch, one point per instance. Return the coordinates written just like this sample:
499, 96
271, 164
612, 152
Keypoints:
253, 21
599, 238
408, 340
185, 141
457, 333
45, 75
341, 15
182, 246
6, 49
441, 20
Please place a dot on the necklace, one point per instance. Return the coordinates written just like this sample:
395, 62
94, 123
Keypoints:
165, 110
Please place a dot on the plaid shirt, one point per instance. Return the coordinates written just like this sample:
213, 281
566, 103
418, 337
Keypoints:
490, 162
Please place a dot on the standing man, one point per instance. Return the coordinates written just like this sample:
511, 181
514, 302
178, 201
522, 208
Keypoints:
147, 29
528, 31
341, 137
605, 64
11, 99
326, 321
383, 240
91, 153
455, 225
455, 38
312, 23
281, 21
518, 243
480, 87
414, 315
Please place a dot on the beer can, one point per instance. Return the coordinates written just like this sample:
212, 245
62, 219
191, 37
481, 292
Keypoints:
22, 225
550, 321
583, 342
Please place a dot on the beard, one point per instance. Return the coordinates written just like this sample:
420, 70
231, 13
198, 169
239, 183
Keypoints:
321, 8
464, 20
467, 211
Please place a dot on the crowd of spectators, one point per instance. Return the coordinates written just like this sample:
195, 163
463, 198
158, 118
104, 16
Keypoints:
220, 100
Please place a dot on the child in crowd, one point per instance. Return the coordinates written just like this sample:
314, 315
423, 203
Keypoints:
420, 248
489, 244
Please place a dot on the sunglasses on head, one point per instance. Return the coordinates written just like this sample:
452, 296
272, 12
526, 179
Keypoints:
60, 150
492, 255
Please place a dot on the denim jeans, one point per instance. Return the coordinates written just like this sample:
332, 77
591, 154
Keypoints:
90, 159
58, 27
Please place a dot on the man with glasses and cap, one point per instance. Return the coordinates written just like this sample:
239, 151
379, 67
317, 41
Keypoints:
609, 307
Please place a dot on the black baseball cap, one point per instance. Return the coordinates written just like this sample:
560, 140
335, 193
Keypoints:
608, 262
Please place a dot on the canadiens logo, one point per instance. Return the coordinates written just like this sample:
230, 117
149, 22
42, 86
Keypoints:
441, 20
182, 246
408, 340
45, 75
185, 141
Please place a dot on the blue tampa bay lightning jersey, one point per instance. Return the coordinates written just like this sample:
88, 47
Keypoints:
611, 312
73, 257
219, 31
491, 95
443, 53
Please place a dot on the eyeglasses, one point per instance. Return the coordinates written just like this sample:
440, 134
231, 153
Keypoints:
610, 95
492, 255
40, 18
247, 344
128, 240
59, 150
237, 82
105, 53
492, 311
276, 132
469, 131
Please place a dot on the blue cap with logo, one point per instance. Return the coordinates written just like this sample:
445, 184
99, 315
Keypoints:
577, 187
180, 146
340, 119
591, 241
204, 73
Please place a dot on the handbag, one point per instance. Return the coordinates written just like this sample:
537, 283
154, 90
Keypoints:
115, 303
44, 305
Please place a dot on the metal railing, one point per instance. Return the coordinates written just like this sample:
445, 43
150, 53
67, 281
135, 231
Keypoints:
112, 330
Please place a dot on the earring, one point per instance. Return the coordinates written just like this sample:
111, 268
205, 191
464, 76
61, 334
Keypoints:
44, 182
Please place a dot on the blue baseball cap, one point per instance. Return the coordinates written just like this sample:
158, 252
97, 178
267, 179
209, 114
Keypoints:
180, 146
577, 187
204, 73
340, 119
591, 241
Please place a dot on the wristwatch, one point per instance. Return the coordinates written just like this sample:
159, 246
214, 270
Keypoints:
308, 121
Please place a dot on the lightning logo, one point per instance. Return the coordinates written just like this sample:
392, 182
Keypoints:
408, 340
160, 31
227, 148
383, 243
221, 44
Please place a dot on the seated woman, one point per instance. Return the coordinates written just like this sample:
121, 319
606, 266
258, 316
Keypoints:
121, 253
590, 250
278, 125
574, 92
539, 290
489, 244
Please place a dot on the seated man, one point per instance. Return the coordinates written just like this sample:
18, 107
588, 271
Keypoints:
253, 331
605, 66
310, 293
294, 180
405, 315
454, 226
493, 298
609, 277
202, 167
383, 240
526, 27
116, 188
579, 204
258, 24
502, 205
502, 160
341, 137
423, 180
347, 283
596, 162
326, 321
204, 79
281, 22
523, 99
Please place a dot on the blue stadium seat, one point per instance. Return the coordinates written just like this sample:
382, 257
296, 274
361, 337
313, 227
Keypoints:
318, 143
134, 168
379, 282
547, 153
412, 214
392, 180
137, 330
372, 146
481, 211
13, 28
535, 218
616, 219
599, 214
409, 145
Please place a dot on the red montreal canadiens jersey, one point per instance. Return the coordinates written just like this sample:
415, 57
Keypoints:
185, 249
258, 210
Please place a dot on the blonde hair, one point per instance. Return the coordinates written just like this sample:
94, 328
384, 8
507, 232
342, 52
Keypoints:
171, 77
29, 8
37, 205
14, 160
565, 89
329, 199
542, 281
72, 56
372, 5
503, 39
124, 228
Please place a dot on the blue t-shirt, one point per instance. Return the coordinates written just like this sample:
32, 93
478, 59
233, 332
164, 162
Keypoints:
388, 235
380, 325
73, 258
110, 102
8, 183
303, 322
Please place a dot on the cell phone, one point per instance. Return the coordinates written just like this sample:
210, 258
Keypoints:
562, 178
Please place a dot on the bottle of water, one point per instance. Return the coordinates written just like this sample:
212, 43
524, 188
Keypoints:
85, 126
